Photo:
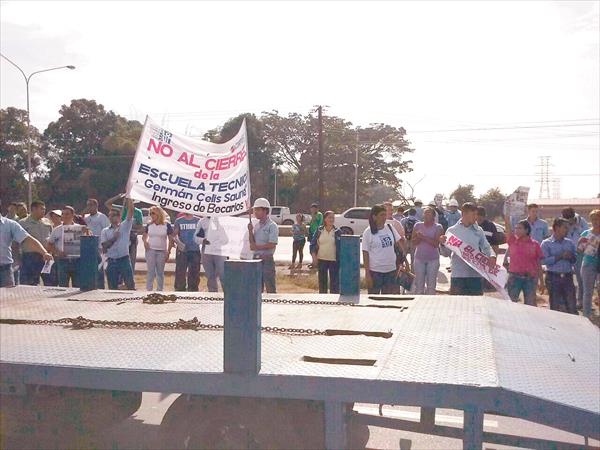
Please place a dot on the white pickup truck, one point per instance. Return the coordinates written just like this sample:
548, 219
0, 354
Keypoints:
281, 216
353, 221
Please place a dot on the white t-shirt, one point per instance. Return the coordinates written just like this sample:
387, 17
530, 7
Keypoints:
157, 235
382, 256
67, 238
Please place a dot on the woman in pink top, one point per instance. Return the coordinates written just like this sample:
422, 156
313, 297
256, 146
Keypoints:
525, 266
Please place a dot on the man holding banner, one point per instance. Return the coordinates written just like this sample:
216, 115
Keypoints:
263, 238
472, 256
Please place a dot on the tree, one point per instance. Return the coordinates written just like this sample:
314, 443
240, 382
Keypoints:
463, 194
13, 154
90, 151
493, 202
381, 149
260, 155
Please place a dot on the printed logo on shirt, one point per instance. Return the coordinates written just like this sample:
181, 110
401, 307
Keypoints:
187, 226
386, 241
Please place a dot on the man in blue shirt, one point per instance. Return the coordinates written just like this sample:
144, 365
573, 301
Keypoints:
577, 225
452, 213
464, 279
115, 245
559, 258
187, 258
263, 239
10, 231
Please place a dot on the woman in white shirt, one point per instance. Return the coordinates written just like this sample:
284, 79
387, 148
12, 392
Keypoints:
158, 241
379, 254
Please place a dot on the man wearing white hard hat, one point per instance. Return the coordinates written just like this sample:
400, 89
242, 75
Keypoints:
263, 240
452, 213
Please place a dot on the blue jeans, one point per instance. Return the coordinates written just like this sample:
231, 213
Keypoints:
383, 282
119, 269
6, 276
214, 266
155, 262
68, 269
579, 278
561, 291
426, 273
466, 286
187, 267
31, 269
329, 275
517, 283
589, 275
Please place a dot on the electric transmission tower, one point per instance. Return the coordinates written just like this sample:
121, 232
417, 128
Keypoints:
556, 188
544, 176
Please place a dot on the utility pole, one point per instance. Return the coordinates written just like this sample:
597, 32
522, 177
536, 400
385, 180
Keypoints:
321, 190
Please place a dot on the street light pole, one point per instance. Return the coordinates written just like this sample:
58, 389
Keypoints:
28, 135
356, 171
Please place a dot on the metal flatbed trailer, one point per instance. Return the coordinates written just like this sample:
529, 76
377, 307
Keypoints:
475, 354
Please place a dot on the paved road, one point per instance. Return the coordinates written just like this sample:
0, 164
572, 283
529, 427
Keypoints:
141, 430
283, 255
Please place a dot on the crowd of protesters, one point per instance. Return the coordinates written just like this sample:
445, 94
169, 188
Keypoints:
401, 250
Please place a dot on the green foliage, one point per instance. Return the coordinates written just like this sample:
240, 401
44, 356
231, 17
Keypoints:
464, 194
493, 202
13, 154
260, 156
90, 151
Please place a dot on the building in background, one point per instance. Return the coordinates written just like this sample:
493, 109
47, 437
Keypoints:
552, 207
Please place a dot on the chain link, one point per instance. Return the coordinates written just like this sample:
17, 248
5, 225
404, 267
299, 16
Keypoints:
156, 299
82, 323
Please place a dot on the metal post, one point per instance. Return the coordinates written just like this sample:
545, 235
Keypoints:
29, 152
242, 316
320, 158
350, 265
427, 418
88, 263
29, 170
335, 427
473, 429
356, 170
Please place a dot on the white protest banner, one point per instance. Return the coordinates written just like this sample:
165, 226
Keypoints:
190, 175
228, 236
516, 203
496, 275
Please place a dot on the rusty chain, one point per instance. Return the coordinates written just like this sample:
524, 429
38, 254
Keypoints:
82, 323
156, 298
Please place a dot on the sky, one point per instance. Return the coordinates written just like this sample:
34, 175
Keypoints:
483, 89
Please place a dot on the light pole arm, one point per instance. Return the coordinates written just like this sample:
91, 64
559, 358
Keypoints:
20, 70
47, 70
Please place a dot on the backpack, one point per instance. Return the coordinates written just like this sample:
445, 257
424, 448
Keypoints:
408, 227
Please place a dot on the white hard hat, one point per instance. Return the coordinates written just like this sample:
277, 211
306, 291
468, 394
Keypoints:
262, 203
453, 202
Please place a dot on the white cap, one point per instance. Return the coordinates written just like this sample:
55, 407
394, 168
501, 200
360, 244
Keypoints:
418, 201
262, 203
58, 212
453, 202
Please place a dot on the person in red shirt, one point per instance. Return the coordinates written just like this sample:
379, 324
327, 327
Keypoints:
525, 266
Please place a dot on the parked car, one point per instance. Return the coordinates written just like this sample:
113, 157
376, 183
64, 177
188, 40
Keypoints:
281, 215
353, 220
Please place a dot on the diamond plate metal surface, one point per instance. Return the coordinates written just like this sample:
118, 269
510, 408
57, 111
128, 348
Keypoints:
539, 352
444, 340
